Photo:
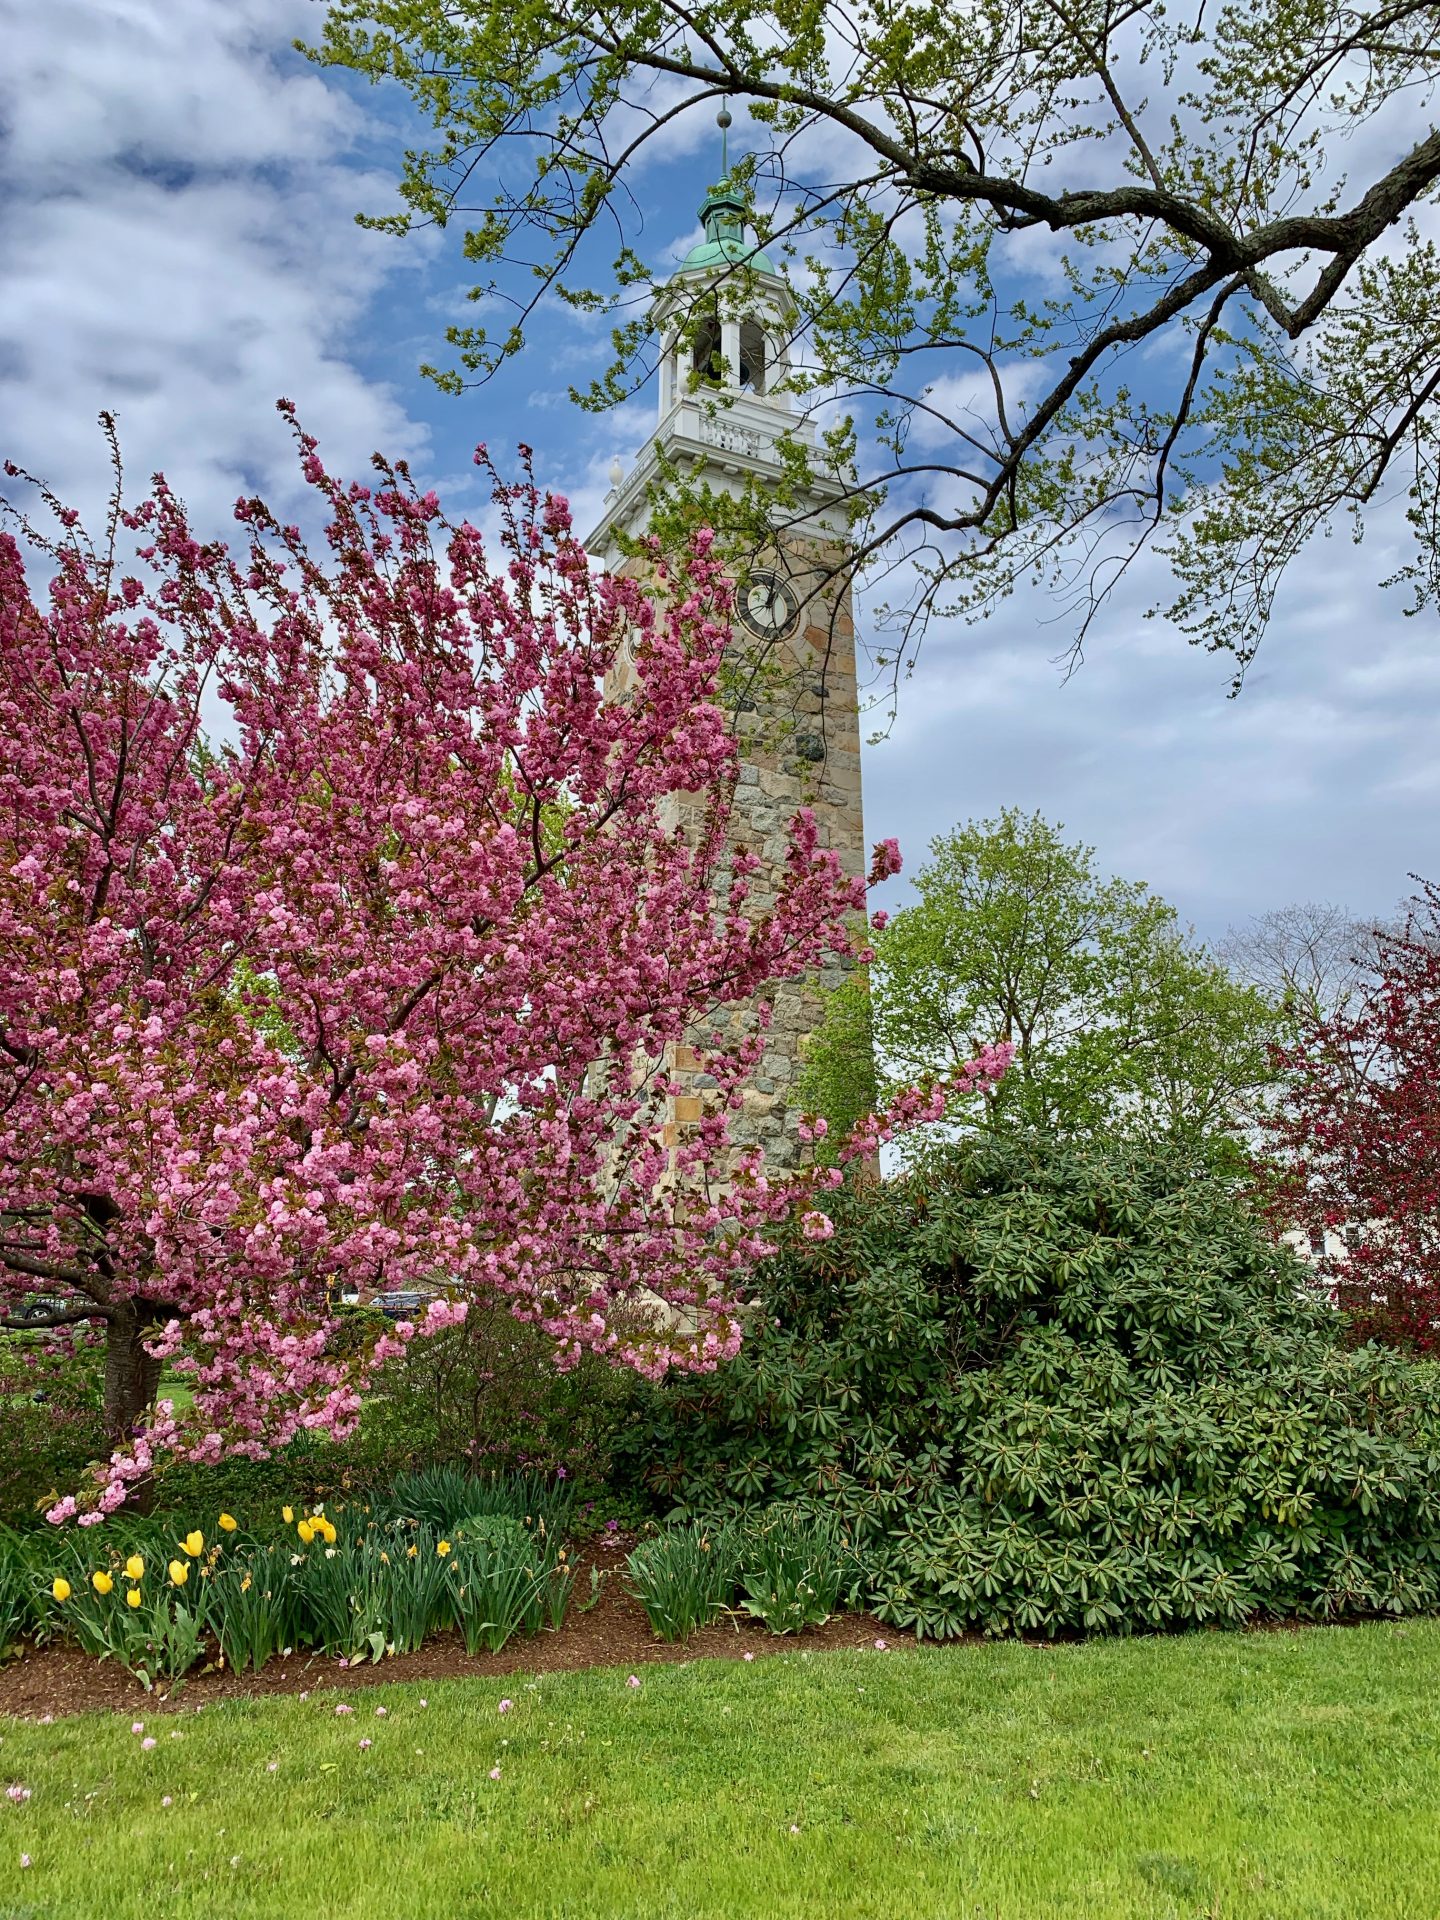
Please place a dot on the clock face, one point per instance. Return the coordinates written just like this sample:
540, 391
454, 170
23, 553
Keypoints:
768, 606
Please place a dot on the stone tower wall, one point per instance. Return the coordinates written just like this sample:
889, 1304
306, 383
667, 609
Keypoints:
727, 423
799, 740
805, 754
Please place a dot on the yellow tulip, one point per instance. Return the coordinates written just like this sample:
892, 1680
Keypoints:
134, 1566
132, 1598
306, 1531
101, 1582
442, 1546
194, 1543
228, 1522
60, 1589
179, 1573
326, 1527
287, 1514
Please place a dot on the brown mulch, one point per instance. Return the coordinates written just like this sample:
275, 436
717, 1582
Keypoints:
62, 1680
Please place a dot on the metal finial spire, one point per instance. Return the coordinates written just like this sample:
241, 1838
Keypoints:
724, 122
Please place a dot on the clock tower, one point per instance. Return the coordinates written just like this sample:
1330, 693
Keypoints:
724, 321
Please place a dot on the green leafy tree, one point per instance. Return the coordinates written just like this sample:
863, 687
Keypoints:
839, 1078
1047, 1388
1094, 274
1119, 1020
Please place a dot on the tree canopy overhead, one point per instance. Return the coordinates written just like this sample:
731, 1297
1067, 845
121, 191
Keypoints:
1091, 275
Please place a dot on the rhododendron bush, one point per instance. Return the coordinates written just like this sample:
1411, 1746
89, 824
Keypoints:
344, 930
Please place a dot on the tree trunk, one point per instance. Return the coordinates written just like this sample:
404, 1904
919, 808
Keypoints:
132, 1377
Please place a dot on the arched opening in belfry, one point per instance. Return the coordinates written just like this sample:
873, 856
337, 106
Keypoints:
706, 357
752, 357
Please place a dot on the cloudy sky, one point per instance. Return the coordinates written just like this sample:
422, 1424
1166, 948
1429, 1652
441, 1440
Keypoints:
178, 245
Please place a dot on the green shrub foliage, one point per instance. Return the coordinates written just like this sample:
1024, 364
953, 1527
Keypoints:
484, 1399
1043, 1389
487, 1393
50, 1420
445, 1496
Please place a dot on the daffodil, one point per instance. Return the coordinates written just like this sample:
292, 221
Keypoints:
442, 1546
194, 1543
60, 1589
134, 1566
228, 1523
101, 1581
132, 1598
179, 1573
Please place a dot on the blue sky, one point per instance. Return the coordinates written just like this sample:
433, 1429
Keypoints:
178, 244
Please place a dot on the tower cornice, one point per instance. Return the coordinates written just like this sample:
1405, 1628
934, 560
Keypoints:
725, 442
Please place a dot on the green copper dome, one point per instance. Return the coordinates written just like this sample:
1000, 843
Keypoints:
725, 245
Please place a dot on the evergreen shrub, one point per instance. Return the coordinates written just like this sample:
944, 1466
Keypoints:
50, 1419
1043, 1389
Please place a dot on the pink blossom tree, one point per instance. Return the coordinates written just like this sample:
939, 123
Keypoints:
1355, 1142
344, 928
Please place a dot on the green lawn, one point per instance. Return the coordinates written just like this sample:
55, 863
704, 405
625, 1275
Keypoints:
1216, 1775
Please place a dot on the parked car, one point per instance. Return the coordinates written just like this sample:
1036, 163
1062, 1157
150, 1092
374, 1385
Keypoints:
399, 1306
38, 1308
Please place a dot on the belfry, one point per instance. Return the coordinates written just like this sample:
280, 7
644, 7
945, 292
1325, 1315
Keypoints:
724, 321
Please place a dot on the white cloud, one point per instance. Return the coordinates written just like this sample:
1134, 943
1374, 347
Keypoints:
180, 248
964, 401
1318, 782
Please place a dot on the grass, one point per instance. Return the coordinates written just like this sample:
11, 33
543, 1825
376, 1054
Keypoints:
1250, 1776
176, 1388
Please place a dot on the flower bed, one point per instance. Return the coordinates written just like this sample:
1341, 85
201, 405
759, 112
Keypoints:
441, 1551
440, 1574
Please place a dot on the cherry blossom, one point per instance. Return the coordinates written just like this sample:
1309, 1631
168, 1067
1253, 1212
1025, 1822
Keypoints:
346, 932
919, 1106
374, 989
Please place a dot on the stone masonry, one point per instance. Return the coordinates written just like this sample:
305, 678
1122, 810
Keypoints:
798, 721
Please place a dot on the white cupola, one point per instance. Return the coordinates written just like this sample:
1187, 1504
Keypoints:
725, 315
725, 322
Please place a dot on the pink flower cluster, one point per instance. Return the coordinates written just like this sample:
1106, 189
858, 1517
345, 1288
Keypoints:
373, 990
885, 862
922, 1106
